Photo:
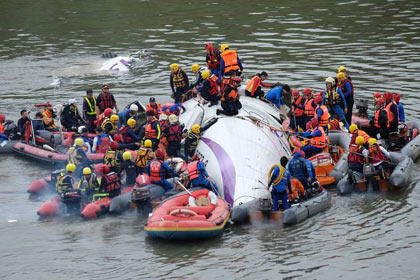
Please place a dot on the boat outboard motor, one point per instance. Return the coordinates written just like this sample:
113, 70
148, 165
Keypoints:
141, 197
72, 199
363, 105
369, 171
11, 130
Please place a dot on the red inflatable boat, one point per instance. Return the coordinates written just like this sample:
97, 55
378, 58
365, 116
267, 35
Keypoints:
174, 219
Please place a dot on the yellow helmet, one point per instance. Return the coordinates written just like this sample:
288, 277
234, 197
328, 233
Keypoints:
223, 47
195, 68
353, 128
127, 155
71, 167
87, 171
372, 141
79, 142
147, 143
341, 69
341, 76
195, 128
330, 80
131, 123
205, 74
174, 66
114, 118
360, 140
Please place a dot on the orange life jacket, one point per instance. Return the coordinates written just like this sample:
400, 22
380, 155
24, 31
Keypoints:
320, 141
325, 115
214, 87
225, 81
365, 136
296, 111
233, 94
193, 170
155, 167
112, 182
355, 154
309, 109
230, 57
390, 113
150, 132
1, 128
154, 109
253, 85
376, 118
375, 154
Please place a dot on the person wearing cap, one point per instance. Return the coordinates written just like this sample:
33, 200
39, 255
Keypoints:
152, 129
334, 99
155, 107
106, 100
173, 133
210, 89
178, 81
48, 117
230, 99
70, 117
213, 59
276, 95
401, 114
125, 115
346, 85
229, 62
37, 123
253, 88
89, 110
298, 110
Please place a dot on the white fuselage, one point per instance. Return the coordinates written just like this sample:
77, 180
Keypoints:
119, 63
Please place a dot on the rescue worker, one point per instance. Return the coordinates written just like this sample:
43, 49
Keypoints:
154, 106
315, 141
106, 100
130, 168
358, 155
229, 62
196, 69
156, 170
127, 114
379, 157
88, 184
89, 110
128, 134
70, 117
37, 123
178, 81
191, 141
103, 117
210, 89
226, 80
174, 136
110, 184
3, 135
298, 169
276, 95
48, 117
280, 180
391, 107
143, 156
334, 99
109, 126
65, 180
253, 88
298, 109
101, 141
21, 124
401, 114
346, 86
355, 131
380, 123
113, 157
321, 113
164, 122
309, 106
230, 99
78, 157
152, 129
298, 191
213, 59
199, 176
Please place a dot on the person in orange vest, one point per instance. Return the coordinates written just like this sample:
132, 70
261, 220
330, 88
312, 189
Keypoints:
210, 89
230, 99
355, 131
213, 59
358, 155
316, 141
309, 105
298, 191
391, 107
3, 135
156, 170
179, 82
152, 129
346, 85
199, 176
321, 112
48, 117
153, 106
380, 123
253, 88
230, 62
298, 110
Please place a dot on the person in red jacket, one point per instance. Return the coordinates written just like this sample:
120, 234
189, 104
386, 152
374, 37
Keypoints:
106, 100
213, 59
253, 88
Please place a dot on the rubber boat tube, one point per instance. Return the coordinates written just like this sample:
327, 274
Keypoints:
412, 149
343, 140
6, 146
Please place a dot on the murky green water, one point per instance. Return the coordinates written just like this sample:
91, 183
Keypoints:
296, 42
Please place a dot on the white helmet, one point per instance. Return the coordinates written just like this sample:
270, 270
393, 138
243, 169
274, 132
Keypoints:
172, 118
133, 107
163, 117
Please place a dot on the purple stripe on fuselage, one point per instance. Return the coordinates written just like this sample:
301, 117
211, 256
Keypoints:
226, 168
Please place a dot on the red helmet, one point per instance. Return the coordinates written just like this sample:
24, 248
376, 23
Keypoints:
160, 154
237, 79
114, 145
387, 96
108, 112
105, 169
2, 118
295, 92
209, 47
318, 99
307, 91
397, 97
118, 138
377, 95
380, 101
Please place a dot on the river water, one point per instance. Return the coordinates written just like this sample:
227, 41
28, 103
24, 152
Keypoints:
297, 42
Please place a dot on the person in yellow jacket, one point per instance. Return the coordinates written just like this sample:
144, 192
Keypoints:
178, 81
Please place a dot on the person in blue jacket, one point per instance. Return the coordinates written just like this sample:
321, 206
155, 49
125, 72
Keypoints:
37, 123
199, 176
299, 170
275, 95
401, 114
280, 179
127, 114
334, 98
156, 170
316, 141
